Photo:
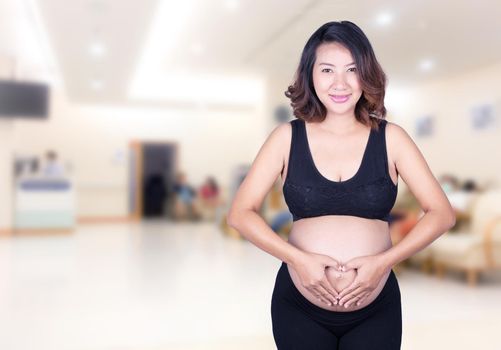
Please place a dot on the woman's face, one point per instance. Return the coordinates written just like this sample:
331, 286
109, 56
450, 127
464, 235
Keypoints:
335, 79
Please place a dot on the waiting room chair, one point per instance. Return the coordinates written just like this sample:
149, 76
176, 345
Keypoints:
478, 249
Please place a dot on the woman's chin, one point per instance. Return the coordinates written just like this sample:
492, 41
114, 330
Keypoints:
337, 110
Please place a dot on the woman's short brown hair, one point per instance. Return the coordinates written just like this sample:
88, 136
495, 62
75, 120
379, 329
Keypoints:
305, 102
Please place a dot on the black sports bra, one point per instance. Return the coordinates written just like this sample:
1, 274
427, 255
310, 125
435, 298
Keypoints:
370, 193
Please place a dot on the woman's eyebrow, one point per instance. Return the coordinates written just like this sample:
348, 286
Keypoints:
331, 65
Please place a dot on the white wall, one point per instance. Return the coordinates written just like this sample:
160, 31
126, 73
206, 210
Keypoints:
95, 139
455, 148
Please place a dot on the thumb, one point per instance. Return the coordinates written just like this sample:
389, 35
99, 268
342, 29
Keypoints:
352, 264
332, 262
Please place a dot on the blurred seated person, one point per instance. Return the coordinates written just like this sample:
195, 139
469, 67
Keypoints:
404, 216
449, 183
52, 167
209, 192
185, 205
210, 197
461, 197
25, 167
281, 221
402, 223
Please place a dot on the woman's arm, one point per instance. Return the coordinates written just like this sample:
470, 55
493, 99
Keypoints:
439, 215
244, 217
438, 218
243, 214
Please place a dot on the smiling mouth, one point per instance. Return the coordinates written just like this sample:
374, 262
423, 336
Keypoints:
340, 98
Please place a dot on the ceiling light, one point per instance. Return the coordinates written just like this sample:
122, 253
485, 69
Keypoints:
384, 18
231, 5
168, 24
211, 88
426, 65
97, 84
97, 49
197, 48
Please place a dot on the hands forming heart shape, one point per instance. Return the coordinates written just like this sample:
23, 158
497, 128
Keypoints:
340, 279
357, 279
338, 283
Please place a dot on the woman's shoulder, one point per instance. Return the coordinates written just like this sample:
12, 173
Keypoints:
283, 131
278, 140
397, 138
395, 131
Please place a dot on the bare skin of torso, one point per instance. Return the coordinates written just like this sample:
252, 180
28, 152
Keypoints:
340, 236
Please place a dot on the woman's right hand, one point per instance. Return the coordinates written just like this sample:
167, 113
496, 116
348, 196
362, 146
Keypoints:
310, 268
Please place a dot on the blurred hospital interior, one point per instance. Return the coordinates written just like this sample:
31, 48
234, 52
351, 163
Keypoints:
127, 126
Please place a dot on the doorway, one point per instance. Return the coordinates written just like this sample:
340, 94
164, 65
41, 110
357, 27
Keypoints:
153, 165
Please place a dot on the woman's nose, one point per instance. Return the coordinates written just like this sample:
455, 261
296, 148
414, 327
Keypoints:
339, 82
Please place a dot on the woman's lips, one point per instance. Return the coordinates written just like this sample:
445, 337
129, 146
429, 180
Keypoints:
339, 98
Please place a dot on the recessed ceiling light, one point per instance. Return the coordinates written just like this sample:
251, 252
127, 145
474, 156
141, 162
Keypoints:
97, 84
215, 88
384, 18
97, 49
98, 6
197, 48
426, 65
232, 5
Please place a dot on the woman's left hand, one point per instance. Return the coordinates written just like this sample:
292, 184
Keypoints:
370, 269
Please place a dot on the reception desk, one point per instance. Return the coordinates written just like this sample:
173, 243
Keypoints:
44, 203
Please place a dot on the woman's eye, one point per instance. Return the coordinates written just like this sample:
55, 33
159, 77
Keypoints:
323, 70
352, 69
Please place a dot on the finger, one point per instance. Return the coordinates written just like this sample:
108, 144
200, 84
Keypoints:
350, 296
350, 266
331, 292
333, 264
351, 302
355, 296
354, 299
349, 289
347, 297
319, 296
360, 301
340, 266
324, 293
327, 285
325, 300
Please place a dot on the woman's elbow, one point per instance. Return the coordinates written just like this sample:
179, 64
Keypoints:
453, 219
450, 218
446, 217
233, 218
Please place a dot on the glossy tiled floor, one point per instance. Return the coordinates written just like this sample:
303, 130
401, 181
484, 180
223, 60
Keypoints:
156, 286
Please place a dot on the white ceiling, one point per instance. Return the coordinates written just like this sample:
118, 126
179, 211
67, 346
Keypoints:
256, 37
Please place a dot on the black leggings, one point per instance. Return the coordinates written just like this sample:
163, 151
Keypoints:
299, 324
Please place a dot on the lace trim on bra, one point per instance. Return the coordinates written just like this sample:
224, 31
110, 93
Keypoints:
366, 197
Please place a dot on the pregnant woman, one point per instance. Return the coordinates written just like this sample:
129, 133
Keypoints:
339, 162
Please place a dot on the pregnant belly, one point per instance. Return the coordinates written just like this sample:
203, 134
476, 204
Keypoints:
342, 238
